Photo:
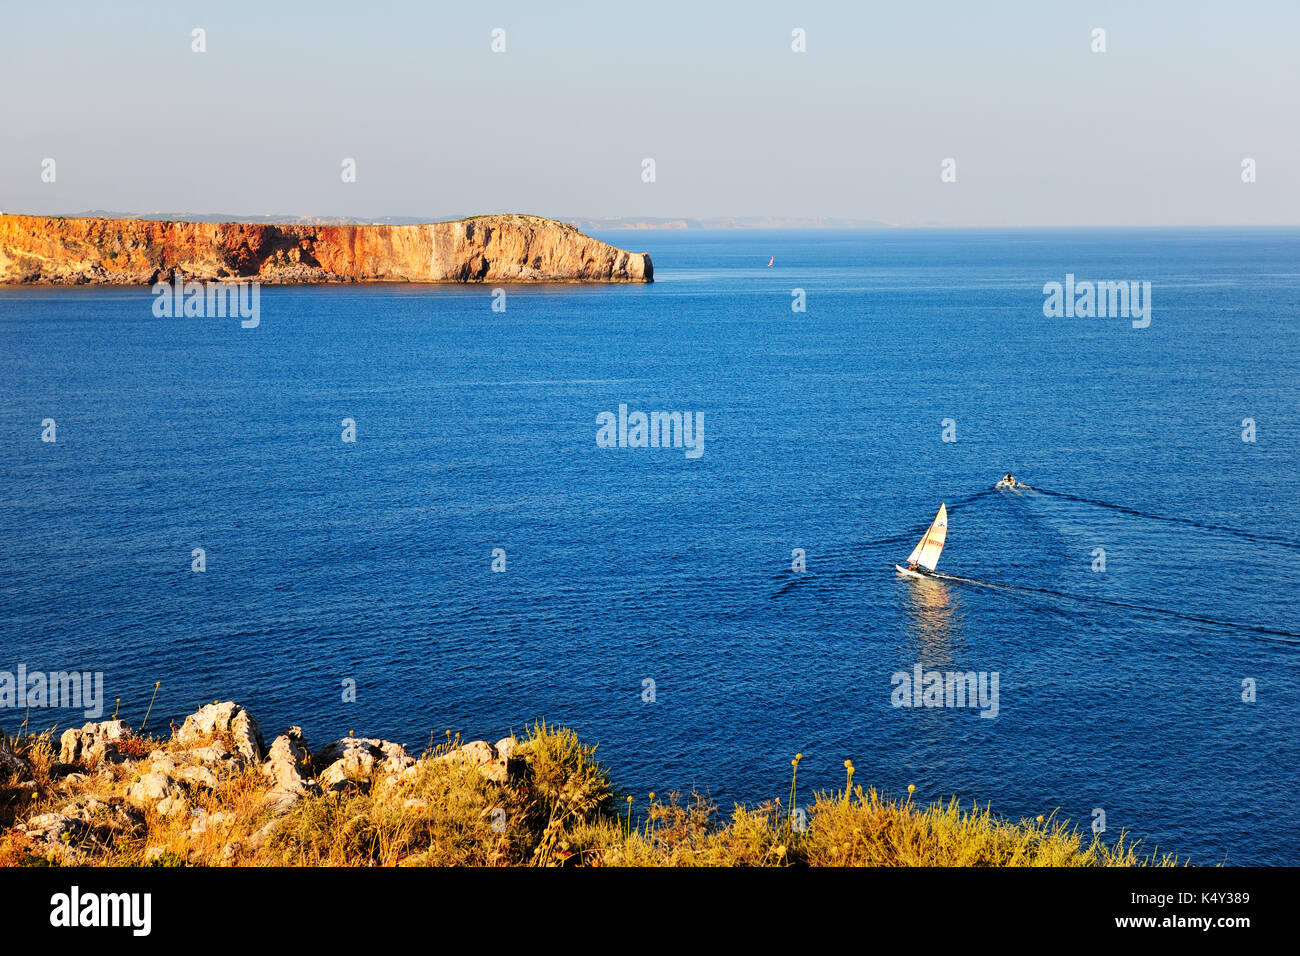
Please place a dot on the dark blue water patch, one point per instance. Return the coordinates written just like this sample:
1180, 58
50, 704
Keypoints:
476, 430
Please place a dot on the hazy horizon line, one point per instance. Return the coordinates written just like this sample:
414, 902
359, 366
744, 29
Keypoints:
745, 223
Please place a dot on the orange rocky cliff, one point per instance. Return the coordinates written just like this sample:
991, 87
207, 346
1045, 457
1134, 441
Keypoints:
506, 248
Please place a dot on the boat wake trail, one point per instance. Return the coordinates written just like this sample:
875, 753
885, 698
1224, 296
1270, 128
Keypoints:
853, 567
1286, 637
1124, 509
852, 556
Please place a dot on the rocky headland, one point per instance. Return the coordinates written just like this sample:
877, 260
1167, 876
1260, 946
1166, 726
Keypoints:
504, 248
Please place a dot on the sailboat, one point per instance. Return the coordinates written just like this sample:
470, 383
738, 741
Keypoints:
770, 261
921, 562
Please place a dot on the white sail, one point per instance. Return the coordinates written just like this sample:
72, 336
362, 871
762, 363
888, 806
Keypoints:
927, 551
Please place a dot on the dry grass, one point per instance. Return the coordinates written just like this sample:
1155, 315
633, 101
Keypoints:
560, 810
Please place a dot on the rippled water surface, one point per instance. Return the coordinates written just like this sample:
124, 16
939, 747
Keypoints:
476, 430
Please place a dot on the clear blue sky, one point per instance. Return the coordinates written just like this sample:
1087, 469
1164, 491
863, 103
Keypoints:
1044, 131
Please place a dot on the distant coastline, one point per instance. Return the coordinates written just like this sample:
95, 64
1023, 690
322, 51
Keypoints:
583, 223
668, 223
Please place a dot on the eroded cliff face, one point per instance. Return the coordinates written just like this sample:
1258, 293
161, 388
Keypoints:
507, 248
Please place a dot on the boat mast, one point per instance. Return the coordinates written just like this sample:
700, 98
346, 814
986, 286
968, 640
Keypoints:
920, 548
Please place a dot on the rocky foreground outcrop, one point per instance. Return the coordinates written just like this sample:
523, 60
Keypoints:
212, 794
505, 248
111, 786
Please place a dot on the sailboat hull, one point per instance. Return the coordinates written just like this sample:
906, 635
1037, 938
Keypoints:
907, 572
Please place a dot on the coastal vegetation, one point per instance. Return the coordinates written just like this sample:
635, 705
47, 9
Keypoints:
210, 795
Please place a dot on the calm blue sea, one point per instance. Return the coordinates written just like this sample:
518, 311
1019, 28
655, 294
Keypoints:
372, 561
